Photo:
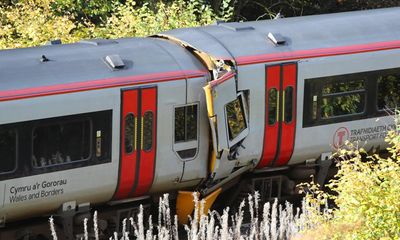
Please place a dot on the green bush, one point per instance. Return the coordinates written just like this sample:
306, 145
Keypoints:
34, 22
366, 195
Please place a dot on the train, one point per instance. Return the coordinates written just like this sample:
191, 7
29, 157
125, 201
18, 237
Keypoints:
106, 124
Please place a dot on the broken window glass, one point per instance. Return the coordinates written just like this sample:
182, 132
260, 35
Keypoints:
236, 119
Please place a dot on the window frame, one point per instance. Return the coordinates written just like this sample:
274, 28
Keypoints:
102, 120
186, 144
16, 150
49, 122
185, 125
313, 87
246, 130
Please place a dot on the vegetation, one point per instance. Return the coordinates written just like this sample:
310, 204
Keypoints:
366, 193
35, 22
276, 222
264, 9
25, 23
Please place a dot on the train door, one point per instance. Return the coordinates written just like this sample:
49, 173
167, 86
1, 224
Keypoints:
227, 111
191, 142
138, 141
280, 114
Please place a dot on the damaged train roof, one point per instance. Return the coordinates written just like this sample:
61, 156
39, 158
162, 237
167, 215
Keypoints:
236, 40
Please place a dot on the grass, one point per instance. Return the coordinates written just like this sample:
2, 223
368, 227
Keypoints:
271, 221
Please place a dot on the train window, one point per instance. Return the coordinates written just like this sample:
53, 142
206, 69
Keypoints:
236, 119
272, 106
342, 98
180, 124
8, 151
351, 97
388, 92
343, 86
342, 105
191, 122
61, 143
186, 123
147, 131
288, 104
130, 131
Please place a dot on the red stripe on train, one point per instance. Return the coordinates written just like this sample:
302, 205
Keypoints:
318, 52
15, 94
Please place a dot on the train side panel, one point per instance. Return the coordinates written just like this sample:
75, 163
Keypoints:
251, 78
196, 164
369, 130
38, 190
169, 167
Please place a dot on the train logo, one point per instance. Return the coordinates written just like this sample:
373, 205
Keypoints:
341, 135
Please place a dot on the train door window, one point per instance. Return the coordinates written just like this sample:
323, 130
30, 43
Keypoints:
186, 130
180, 124
342, 98
272, 106
148, 131
388, 92
236, 118
61, 143
191, 122
186, 123
236, 113
8, 151
130, 131
288, 111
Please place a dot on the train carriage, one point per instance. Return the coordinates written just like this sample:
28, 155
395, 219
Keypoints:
114, 122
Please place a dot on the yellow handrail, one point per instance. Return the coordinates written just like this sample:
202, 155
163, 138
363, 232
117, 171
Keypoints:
141, 135
277, 106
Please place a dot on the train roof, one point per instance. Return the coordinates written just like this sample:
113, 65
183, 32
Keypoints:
86, 61
238, 40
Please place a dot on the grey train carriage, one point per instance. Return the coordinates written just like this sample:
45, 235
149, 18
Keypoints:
103, 124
